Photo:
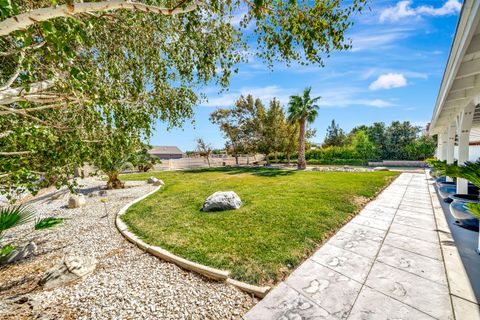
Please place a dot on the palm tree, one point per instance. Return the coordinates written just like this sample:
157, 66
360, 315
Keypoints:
302, 109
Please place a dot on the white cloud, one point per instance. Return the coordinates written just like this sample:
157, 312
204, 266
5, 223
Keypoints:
377, 40
330, 97
378, 103
403, 9
388, 81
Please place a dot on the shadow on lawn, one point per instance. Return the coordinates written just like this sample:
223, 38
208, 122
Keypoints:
257, 171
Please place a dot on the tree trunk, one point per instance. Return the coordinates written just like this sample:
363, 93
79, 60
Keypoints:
302, 165
236, 159
288, 158
268, 160
208, 161
113, 181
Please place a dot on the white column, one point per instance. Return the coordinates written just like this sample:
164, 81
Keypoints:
442, 146
464, 120
450, 145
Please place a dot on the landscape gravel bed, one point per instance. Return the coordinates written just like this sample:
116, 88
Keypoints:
127, 283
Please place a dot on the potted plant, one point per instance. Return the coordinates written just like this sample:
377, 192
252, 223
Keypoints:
461, 205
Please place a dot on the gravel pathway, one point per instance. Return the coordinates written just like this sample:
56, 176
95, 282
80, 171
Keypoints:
127, 282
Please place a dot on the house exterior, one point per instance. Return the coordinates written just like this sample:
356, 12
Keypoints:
166, 152
456, 117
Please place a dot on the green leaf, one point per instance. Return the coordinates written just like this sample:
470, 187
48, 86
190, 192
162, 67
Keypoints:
14, 216
46, 223
5, 250
48, 27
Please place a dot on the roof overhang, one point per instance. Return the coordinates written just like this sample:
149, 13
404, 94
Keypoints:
461, 79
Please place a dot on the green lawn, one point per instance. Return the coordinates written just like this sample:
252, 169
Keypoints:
284, 217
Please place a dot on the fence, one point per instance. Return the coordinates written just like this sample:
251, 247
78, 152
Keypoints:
215, 161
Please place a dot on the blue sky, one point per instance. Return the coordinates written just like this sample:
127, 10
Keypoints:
393, 72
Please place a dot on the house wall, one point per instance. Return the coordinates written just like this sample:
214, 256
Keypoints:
168, 156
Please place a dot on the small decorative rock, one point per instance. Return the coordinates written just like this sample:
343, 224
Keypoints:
381, 169
158, 182
19, 254
71, 269
222, 200
152, 180
76, 201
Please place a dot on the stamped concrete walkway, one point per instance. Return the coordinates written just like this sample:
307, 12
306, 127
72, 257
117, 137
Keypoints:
384, 264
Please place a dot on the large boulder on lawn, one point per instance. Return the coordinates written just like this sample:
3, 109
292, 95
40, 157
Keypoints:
222, 200
381, 169
76, 201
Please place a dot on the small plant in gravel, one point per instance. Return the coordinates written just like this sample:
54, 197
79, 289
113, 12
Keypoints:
13, 216
46, 223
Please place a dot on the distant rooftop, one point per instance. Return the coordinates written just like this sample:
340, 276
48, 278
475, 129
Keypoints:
165, 150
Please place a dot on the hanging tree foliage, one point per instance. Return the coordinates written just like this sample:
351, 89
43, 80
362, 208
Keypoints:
72, 70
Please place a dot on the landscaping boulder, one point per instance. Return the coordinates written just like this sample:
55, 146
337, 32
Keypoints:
222, 200
76, 201
381, 169
158, 182
151, 180
71, 269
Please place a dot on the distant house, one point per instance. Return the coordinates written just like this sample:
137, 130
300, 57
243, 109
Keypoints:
166, 152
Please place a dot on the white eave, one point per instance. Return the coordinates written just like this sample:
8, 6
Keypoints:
461, 80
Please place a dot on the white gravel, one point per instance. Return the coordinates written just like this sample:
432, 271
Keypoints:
127, 283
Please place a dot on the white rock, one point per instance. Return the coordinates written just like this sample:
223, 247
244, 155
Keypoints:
71, 269
381, 169
76, 201
152, 180
222, 200
158, 182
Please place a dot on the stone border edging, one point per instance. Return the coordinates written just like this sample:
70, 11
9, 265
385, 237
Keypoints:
209, 272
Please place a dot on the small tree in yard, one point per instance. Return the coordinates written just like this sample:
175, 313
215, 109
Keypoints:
272, 130
143, 160
114, 154
204, 150
302, 110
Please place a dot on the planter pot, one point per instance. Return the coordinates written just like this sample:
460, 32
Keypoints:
459, 210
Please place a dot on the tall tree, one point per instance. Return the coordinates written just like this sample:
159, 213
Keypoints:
364, 148
302, 110
335, 136
240, 124
70, 67
398, 136
272, 130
